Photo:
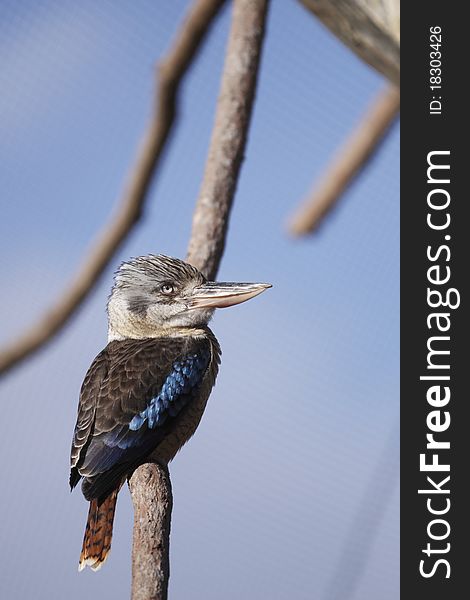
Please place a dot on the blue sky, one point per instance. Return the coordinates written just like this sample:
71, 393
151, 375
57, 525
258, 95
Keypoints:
290, 486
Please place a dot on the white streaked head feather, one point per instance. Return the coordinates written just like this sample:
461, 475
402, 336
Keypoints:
137, 308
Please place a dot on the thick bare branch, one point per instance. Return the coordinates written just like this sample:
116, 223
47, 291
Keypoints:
371, 28
150, 554
348, 162
150, 488
229, 136
170, 73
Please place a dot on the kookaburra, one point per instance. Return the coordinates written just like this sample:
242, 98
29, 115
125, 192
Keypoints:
145, 393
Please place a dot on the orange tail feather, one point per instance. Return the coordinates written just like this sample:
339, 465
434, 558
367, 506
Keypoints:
98, 532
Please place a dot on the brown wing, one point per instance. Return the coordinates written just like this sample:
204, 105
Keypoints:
89, 395
131, 400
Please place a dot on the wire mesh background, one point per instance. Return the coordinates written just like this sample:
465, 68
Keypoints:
290, 487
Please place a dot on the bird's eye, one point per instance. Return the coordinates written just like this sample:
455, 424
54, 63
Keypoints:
167, 289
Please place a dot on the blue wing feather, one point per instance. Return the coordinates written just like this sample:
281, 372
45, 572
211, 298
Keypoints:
177, 389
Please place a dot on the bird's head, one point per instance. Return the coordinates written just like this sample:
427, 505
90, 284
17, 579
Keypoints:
155, 293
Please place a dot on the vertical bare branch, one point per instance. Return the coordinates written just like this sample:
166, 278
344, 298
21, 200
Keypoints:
171, 71
150, 484
229, 136
348, 162
150, 488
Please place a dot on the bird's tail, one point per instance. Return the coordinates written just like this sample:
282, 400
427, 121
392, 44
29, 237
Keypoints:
98, 532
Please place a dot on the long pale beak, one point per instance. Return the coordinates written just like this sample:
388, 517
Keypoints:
213, 294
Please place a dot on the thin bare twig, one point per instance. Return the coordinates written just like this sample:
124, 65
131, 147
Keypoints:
150, 482
370, 513
170, 73
351, 158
